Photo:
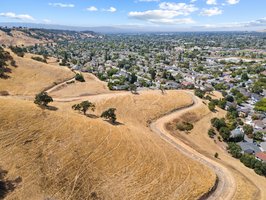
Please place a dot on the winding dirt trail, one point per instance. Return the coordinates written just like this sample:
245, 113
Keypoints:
226, 186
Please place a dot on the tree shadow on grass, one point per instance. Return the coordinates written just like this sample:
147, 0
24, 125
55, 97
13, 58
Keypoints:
51, 108
92, 116
6, 185
114, 123
135, 93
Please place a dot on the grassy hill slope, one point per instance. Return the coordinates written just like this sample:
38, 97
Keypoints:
31, 76
65, 155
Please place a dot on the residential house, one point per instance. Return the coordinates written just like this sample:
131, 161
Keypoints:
237, 133
249, 148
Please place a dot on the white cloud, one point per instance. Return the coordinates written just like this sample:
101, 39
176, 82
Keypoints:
172, 21
160, 17
232, 2
92, 8
211, 2
62, 5
193, 1
15, 16
181, 8
211, 12
166, 14
111, 9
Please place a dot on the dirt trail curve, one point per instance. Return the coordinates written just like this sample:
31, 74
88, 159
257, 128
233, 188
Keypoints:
226, 186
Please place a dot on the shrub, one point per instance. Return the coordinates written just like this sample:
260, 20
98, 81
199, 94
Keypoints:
234, 149
184, 126
216, 155
199, 93
261, 105
211, 133
211, 106
79, 77
37, 58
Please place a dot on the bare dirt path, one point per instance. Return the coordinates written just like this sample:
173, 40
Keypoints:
226, 186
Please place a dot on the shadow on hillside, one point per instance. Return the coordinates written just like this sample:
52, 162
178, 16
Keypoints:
114, 123
6, 185
52, 108
92, 116
135, 93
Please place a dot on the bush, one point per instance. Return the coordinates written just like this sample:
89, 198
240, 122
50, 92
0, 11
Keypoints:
39, 59
261, 105
211, 133
251, 162
184, 126
216, 155
234, 149
211, 106
218, 123
225, 132
18, 51
79, 77
199, 93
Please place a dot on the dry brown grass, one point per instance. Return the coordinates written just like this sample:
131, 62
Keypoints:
249, 184
65, 155
19, 38
30, 77
92, 86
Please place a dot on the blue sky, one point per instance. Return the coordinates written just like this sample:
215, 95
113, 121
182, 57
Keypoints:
160, 14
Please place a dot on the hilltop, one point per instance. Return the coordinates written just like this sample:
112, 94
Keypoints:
31, 36
30, 77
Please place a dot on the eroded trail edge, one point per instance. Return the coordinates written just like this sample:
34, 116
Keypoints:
225, 186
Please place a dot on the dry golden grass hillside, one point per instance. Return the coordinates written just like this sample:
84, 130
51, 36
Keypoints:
249, 184
17, 38
65, 155
91, 86
30, 77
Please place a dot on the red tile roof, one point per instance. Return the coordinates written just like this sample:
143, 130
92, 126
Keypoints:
261, 155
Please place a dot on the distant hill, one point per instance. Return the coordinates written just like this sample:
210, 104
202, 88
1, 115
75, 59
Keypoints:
99, 29
30, 36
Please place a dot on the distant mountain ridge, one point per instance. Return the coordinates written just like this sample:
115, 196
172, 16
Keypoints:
31, 36
100, 29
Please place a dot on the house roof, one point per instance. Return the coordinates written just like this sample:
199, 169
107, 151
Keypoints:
236, 132
246, 147
261, 155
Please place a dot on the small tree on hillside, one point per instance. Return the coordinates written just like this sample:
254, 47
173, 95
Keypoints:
109, 115
162, 89
79, 77
133, 88
43, 99
84, 107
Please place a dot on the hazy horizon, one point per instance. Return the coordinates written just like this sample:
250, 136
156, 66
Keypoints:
140, 15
